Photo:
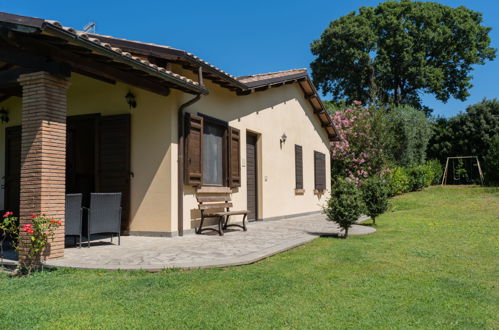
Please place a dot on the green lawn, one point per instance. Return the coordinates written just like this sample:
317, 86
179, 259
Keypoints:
432, 264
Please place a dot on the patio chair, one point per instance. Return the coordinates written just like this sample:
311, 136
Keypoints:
73, 217
104, 215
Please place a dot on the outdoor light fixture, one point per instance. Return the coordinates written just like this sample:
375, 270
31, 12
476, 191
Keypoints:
4, 115
130, 99
283, 139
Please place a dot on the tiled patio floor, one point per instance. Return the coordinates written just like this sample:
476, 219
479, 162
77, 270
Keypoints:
262, 239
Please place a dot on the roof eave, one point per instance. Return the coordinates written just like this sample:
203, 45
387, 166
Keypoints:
52, 29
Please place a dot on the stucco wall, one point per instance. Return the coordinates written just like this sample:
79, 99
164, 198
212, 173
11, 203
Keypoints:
154, 146
269, 114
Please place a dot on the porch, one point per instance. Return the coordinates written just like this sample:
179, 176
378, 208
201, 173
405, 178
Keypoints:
263, 239
68, 127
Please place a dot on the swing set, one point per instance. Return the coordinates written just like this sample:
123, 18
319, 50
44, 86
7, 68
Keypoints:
464, 170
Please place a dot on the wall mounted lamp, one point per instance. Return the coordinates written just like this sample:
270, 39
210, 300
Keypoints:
283, 139
130, 99
4, 115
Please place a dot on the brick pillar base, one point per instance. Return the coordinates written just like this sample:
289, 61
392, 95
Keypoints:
43, 152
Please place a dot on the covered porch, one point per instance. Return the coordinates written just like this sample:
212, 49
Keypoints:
51, 146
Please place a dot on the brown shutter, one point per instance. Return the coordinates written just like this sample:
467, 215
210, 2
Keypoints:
12, 169
298, 167
193, 149
113, 160
234, 157
320, 170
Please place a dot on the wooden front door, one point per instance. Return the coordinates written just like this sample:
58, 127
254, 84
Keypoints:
12, 181
251, 176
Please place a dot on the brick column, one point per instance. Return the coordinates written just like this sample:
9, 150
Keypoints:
43, 151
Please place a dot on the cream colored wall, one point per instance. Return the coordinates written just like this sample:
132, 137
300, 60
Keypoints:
270, 114
153, 156
154, 146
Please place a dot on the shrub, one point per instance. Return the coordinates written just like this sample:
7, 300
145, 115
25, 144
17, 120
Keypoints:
31, 238
436, 170
491, 163
398, 181
375, 193
417, 177
345, 205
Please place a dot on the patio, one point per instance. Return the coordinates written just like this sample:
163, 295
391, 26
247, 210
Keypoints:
262, 240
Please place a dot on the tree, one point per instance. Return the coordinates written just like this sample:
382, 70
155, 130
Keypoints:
395, 51
364, 141
375, 194
467, 134
492, 163
412, 132
345, 205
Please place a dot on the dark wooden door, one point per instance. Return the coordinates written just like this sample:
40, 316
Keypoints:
251, 176
12, 169
113, 164
80, 155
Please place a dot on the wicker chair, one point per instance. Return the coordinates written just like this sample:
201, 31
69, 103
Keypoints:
73, 217
104, 215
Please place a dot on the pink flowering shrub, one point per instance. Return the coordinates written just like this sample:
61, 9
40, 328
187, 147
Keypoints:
359, 152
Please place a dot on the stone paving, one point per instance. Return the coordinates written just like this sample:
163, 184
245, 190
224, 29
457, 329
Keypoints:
236, 247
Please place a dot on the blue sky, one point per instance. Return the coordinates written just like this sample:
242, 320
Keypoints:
243, 37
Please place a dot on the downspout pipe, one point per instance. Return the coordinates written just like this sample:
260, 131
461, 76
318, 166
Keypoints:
180, 156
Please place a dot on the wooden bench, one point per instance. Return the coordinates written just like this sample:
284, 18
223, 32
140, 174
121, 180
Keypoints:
215, 202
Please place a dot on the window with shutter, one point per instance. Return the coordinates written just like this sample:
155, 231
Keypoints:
298, 167
193, 149
234, 157
319, 170
212, 152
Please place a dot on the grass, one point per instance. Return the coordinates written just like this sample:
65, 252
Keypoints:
432, 264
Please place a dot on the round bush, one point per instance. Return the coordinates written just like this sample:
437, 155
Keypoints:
345, 205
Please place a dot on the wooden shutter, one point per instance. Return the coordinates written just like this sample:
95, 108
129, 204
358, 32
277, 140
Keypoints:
320, 170
234, 157
298, 167
113, 160
193, 149
12, 169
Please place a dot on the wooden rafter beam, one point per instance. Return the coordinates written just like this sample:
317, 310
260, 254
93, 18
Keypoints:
83, 64
32, 61
11, 76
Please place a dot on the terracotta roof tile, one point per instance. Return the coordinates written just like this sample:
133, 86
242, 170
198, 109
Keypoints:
270, 75
121, 52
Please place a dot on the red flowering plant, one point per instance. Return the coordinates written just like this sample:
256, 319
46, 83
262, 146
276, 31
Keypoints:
32, 239
8, 228
361, 150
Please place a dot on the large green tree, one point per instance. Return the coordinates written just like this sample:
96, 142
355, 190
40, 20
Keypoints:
394, 52
467, 134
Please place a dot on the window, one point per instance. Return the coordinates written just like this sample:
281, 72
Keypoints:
298, 167
212, 152
319, 171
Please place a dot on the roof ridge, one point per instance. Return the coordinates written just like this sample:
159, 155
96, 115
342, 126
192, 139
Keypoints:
274, 72
130, 40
